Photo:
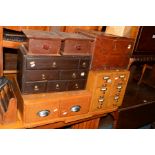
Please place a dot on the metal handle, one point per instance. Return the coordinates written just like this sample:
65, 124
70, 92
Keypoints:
54, 64
119, 87
116, 97
57, 86
43, 76
74, 75
82, 74
36, 88
84, 64
106, 77
122, 76
78, 47
43, 113
101, 99
129, 46
76, 86
103, 89
75, 108
46, 47
32, 64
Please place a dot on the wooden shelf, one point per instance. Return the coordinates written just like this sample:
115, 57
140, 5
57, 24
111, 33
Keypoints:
11, 44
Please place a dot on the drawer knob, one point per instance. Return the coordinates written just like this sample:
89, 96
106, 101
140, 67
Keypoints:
57, 86
36, 88
101, 99
46, 47
116, 98
32, 64
119, 87
82, 74
122, 76
43, 76
106, 77
103, 89
84, 64
75, 108
54, 64
43, 113
129, 46
74, 75
76, 86
78, 47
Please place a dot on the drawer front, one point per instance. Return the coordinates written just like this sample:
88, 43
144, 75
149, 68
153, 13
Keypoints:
34, 87
123, 47
84, 63
77, 85
73, 74
40, 75
41, 111
38, 63
57, 86
37, 46
77, 47
74, 105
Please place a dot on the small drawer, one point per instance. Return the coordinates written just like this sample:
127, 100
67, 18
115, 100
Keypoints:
41, 111
38, 63
38, 46
77, 85
57, 86
84, 63
77, 47
40, 75
34, 87
75, 105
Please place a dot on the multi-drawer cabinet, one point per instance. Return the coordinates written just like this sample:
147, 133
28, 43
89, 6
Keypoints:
109, 51
108, 88
51, 73
48, 106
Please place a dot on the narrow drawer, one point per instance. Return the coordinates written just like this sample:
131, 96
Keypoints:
75, 105
39, 75
57, 86
41, 111
34, 87
38, 46
77, 47
77, 85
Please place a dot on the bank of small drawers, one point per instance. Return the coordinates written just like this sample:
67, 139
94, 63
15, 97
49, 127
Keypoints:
51, 73
107, 89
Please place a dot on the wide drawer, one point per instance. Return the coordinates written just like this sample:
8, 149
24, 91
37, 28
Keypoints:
41, 111
77, 85
74, 105
73, 74
77, 47
57, 86
39, 75
52, 63
34, 87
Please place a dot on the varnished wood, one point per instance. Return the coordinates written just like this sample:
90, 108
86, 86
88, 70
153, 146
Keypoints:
1, 51
91, 124
11, 44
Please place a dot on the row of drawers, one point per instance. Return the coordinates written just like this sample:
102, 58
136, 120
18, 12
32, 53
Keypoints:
42, 75
52, 86
42, 107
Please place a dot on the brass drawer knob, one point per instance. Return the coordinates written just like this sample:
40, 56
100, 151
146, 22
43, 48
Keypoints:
74, 75
103, 89
57, 86
82, 74
36, 88
43, 76
122, 76
116, 97
84, 64
78, 47
101, 99
119, 87
54, 64
43, 113
106, 77
129, 46
76, 86
75, 108
32, 64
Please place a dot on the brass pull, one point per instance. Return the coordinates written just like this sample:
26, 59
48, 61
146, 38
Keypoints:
75, 108
57, 86
116, 97
101, 99
36, 88
119, 87
122, 76
106, 77
43, 113
74, 75
84, 64
46, 47
78, 47
129, 46
32, 64
54, 64
43, 76
76, 86
82, 74
103, 89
